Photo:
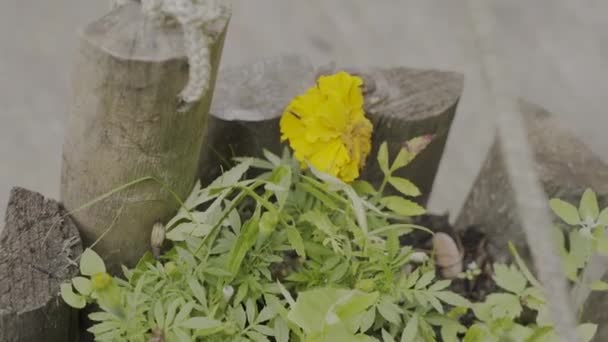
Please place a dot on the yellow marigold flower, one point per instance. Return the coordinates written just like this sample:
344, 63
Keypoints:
326, 126
101, 281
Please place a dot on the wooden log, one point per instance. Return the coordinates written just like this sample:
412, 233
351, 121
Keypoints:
124, 124
566, 167
404, 103
246, 109
36, 248
401, 102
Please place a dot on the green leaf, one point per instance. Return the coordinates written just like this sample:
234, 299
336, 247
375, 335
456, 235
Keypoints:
566, 211
159, 315
272, 158
386, 337
586, 331
200, 323
358, 208
257, 337
82, 285
263, 329
599, 286
245, 241
355, 303
509, 278
602, 219
504, 305
364, 188
425, 280
311, 308
184, 312
390, 311
239, 316
231, 176
268, 222
440, 285
198, 291
588, 208
402, 207
104, 327
296, 241
601, 246
241, 293
404, 186
91, 263
383, 158
367, 320
250, 310
72, 299
281, 183
266, 314
411, 329
281, 330
404, 157
171, 311
452, 299
477, 333
522, 266
317, 309
580, 248
286, 295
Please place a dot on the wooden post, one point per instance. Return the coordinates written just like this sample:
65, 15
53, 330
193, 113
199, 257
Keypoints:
124, 124
37, 249
401, 102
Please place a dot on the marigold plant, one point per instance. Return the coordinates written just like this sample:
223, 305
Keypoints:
327, 128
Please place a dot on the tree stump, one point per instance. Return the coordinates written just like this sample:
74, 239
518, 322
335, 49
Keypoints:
124, 124
402, 103
36, 247
246, 109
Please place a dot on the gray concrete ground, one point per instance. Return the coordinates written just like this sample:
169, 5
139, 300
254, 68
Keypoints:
556, 52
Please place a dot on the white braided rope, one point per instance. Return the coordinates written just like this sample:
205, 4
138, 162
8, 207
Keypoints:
192, 15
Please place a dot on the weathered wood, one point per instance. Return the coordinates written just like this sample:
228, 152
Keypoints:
401, 102
124, 124
36, 247
246, 109
404, 103
566, 167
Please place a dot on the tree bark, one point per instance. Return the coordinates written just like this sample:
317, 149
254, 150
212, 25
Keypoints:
124, 124
36, 249
402, 103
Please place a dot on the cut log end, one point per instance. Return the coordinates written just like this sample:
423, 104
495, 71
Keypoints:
37, 249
